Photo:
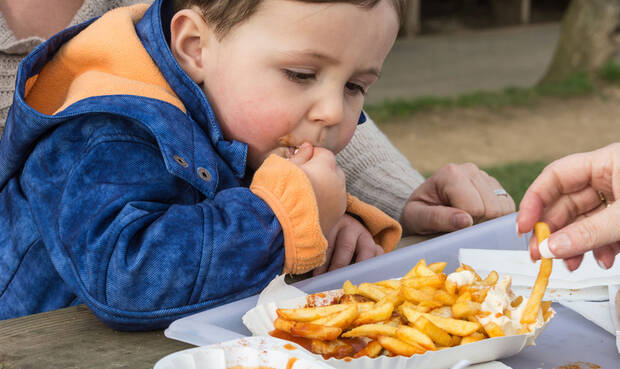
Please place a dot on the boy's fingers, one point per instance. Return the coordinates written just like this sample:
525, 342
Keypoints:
303, 154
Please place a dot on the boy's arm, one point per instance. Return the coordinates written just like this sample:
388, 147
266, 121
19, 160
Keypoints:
142, 247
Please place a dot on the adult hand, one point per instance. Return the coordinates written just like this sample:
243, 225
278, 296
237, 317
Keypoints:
455, 197
328, 183
566, 195
348, 240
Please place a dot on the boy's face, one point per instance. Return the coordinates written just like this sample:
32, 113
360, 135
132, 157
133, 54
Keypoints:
296, 72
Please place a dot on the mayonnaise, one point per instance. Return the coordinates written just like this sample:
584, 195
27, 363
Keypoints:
462, 278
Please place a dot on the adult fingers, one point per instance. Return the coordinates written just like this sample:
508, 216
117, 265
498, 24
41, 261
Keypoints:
564, 176
570, 207
423, 218
587, 233
573, 262
606, 255
494, 204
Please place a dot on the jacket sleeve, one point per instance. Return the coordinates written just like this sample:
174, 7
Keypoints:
384, 230
142, 247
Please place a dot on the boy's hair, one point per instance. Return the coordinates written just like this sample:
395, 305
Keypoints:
225, 14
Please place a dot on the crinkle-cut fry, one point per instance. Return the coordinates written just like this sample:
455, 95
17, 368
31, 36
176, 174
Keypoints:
493, 330
453, 326
438, 267
372, 349
398, 347
541, 230
413, 271
435, 281
474, 337
413, 335
438, 335
389, 283
309, 314
465, 309
349, 288
377, 314
415, 295
307, 330
371, 291
491, 279
340, 319
335, 348
371, 330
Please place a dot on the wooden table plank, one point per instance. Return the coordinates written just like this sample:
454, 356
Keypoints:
74, 338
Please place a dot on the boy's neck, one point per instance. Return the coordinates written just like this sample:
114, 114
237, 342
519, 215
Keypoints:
42, 18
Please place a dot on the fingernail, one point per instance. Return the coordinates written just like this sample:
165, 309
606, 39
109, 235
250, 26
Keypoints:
601, 264
543, 248
561, 244
566, 265
462, 220
519, 234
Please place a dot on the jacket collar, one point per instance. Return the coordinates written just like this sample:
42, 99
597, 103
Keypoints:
155, 40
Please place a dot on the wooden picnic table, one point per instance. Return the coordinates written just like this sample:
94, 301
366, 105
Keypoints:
74, 338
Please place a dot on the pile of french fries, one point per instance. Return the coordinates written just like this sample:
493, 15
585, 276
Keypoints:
421, 311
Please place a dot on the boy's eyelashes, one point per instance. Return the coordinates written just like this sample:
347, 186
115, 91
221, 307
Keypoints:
302, 77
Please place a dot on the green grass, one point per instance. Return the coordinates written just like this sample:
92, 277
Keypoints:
579, 84
611, 73
516, 177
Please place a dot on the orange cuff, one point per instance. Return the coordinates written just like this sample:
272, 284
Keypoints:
384, 230
288, 192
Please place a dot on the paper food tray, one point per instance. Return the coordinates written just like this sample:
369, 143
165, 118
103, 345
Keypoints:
259, 321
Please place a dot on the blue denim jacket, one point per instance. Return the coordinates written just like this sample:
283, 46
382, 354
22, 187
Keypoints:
127, 203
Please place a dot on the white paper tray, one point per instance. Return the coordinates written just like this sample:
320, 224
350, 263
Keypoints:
569, 337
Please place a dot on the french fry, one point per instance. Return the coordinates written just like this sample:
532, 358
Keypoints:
444, 297
546, 306
379, 313
307, 330
413, 335
349, 288
476, 336
465, 309
435, 281
438, 335
491, 279
341, 319
413, 272
372, 349
542, 232
415, 295
453, 326
421, 270
516, 302
371, 291
335, 348
444, 311
437, 267
309, 314
451, 287
398, 347
389, 283
493, 330
394, 297
371, 331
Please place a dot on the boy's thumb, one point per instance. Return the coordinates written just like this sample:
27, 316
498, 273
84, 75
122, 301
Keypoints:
303, 154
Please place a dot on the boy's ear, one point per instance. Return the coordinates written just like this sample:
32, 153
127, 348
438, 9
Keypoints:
188, 42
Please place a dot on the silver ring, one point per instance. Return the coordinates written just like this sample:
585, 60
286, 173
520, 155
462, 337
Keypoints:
500, 192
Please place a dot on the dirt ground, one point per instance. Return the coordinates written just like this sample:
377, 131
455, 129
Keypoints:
548, 130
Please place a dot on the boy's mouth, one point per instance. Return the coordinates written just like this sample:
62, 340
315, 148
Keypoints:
292, 150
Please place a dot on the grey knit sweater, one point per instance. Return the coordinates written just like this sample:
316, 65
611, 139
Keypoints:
376, 172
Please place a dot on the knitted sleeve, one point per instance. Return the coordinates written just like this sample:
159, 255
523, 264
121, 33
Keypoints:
377, 173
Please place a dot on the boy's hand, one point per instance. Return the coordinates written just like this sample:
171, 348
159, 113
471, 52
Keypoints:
327, 181
348, 239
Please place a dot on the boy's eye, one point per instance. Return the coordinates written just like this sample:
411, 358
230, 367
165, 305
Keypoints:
355, 88
297, 76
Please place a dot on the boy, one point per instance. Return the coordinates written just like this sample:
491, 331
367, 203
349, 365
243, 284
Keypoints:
130, 146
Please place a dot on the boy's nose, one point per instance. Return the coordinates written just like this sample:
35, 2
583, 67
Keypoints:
328, 110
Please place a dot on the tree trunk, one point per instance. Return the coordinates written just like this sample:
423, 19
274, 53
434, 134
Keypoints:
587, 38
